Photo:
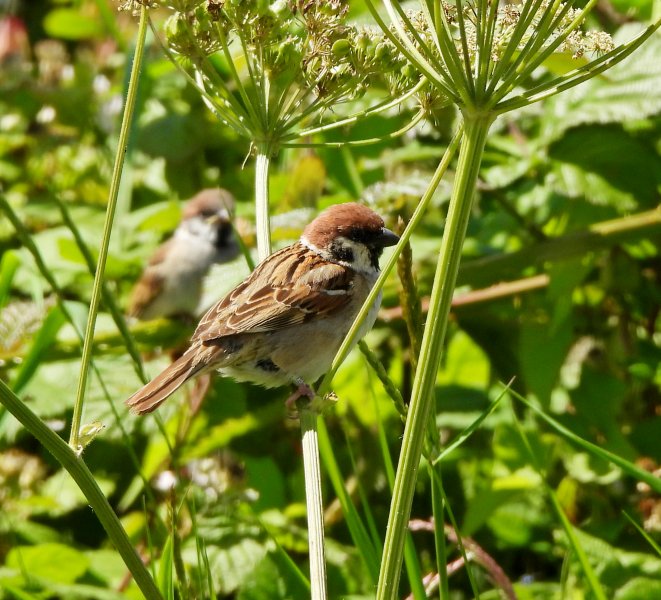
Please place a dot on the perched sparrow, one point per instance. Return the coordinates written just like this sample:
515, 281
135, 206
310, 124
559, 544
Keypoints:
285, 322
171, 283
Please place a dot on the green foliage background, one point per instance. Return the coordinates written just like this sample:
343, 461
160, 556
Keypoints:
569, 190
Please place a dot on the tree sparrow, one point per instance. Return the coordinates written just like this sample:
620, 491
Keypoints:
285, 322
171, 283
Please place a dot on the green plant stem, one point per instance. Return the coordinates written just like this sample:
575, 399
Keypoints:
418, 214
470, 157
87, 484
262, 220
107, 229
439, 532
107, 296
314, 500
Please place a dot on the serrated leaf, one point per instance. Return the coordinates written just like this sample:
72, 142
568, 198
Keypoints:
235, 564
631, 90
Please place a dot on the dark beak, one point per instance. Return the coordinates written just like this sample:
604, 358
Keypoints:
387, 238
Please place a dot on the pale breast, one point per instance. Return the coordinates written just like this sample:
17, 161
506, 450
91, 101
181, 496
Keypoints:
304, 351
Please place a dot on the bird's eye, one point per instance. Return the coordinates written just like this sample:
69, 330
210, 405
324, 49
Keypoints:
358, 235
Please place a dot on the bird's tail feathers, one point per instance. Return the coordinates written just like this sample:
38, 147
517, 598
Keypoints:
152, 395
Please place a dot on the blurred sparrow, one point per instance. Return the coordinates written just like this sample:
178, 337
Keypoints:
285, 322
171, 284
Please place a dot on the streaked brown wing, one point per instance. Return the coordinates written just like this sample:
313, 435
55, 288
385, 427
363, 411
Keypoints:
150, 283
288, 288
146, 289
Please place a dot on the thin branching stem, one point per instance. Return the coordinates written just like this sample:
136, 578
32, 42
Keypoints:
416, 218
364, 142
108, 297
224, 115
439, 77
538, 46
577, 76
87, 484
236, 78
526, 16
380, 107
97, 289
464, 43
555, 44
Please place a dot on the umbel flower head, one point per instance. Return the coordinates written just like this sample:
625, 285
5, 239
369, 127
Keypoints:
267, 68
477, 52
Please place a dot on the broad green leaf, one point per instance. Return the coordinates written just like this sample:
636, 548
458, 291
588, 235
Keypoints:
65, 496
72, 24
629, 91
235, 562
465, 363
639, 588
266, 583
53, 562
542, 352
264, 475
611, 167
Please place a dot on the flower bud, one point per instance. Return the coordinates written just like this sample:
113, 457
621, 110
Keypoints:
341, 48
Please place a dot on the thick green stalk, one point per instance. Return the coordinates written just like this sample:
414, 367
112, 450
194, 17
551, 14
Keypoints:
315, 505
470, 157
97, 290
87, 484
262, 220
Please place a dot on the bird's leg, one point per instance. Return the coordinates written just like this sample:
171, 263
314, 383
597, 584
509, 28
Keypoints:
303, 390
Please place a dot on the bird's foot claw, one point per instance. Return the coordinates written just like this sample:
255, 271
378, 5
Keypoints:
305, 398
303, 390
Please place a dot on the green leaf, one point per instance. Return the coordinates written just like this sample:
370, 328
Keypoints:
638, 588
542, 352
54, 562
8, 266
264, 475
65, 496
627, 466
234, 564
465, 363
266, 583
42, 342
72, 24
165, 571
618, 169
631, 90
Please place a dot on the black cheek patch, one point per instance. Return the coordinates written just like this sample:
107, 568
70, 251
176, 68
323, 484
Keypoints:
266, 364
223, 235
375, 254
341, 253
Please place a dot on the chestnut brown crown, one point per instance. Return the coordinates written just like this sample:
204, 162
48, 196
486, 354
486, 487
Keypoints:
352, 221
209, 202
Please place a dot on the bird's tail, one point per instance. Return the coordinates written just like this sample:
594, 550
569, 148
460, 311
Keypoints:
150, 397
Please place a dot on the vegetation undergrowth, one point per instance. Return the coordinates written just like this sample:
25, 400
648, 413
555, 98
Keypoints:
547, 221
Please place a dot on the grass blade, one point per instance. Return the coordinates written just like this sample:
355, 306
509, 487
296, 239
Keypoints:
41, 344
628, 467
